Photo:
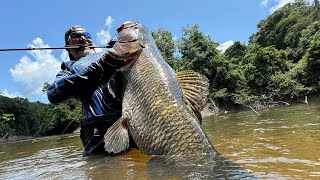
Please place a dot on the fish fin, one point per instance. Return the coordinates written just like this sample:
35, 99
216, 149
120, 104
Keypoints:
116, 138
195, 88
115, 85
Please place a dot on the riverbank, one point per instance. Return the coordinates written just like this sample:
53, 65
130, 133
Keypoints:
10, 138
222, 107
214, 109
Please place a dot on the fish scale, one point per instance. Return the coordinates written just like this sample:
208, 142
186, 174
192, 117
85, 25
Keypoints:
140, 140
154, 105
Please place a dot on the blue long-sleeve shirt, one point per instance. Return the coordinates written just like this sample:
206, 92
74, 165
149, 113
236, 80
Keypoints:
87, 79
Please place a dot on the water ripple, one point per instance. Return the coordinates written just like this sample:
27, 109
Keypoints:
42, 163
279, 159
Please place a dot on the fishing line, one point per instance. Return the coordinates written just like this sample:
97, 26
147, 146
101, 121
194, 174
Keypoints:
109, 45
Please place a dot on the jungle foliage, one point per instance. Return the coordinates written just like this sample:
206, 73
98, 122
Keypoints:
281, 60
18, 116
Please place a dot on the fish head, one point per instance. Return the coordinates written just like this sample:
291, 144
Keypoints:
134, 31
129, 46
133, 37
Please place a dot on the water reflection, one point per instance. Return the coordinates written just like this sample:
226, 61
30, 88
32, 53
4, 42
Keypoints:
281, 143
196, 167
40, 158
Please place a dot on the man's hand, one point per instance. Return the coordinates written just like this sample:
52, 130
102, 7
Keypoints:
111, 43
125, 50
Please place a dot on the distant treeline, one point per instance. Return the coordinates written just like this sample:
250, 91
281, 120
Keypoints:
280, 61
18, 116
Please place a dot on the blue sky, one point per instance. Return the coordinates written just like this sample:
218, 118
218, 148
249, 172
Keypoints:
39, 23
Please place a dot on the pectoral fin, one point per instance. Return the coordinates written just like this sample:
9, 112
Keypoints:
116, 138
195, 88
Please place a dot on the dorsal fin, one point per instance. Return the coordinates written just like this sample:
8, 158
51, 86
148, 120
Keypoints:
195, 88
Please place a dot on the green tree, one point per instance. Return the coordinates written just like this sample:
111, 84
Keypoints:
38, 119
236, 52
260, 65
309, 34
166, 46
283, 28
62, 118
200, 54
4, 126
45, 87
197, 51
309, 74
316, 5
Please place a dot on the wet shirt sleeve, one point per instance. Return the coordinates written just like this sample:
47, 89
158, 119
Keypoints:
73, 81
63, 88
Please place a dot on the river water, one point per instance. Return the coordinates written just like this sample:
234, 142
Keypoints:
282, 142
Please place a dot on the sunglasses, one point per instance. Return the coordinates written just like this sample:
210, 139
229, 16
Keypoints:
77, 35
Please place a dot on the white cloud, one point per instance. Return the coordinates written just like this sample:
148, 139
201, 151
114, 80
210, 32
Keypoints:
280, 3
104, 35
32, 73
264, 2
42, 66
224, 46
65, 55
109, 21
9, 94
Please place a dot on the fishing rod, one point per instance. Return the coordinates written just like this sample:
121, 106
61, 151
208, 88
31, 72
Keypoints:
110, 44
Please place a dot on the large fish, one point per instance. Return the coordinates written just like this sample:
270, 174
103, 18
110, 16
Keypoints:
160, 107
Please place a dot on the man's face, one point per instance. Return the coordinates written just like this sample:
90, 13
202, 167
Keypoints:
81, 39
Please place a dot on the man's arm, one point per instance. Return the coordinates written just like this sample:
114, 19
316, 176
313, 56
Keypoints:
61, 89
69, 85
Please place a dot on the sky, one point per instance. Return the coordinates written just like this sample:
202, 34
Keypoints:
39, 23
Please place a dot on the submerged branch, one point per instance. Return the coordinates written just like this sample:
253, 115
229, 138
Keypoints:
252, 109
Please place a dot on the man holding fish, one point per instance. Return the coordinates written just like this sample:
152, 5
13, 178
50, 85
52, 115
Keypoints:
130, 95
86, 78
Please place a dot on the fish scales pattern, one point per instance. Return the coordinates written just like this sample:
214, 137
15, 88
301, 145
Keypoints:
162, 125
161, 107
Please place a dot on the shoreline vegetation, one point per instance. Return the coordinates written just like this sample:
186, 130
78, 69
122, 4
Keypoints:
279, 65
210, 110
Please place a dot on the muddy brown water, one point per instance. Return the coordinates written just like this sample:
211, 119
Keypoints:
281, 143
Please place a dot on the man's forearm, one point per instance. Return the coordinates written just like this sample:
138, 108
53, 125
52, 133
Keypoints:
64, 88
68, 85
